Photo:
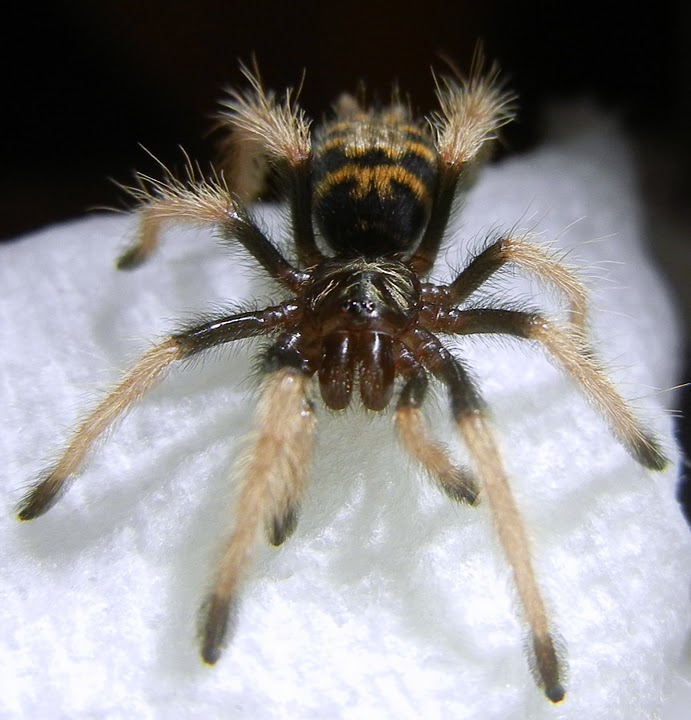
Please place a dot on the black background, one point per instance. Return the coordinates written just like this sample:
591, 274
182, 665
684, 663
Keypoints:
86, 82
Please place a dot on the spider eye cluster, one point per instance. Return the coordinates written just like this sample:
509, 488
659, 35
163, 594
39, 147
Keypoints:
359, 308
359, 294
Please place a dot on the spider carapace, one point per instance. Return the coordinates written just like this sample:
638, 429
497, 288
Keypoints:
369, 194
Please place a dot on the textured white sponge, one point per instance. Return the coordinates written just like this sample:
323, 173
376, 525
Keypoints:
389, 601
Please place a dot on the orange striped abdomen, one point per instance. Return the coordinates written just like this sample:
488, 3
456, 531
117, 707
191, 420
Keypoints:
373, 179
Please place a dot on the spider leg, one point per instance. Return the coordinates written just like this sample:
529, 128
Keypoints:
432, 456
150, 222
194, 200
470, 415
242, 161
525, 255
280, 132
470, 114
567, 348
272, 477
204, 203
144, 376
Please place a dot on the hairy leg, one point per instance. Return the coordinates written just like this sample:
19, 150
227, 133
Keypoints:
470, 114
144, 376
469, 413
273, 474
567, 348
194, 200
281, 133
206, 203
525, 255
514, 540
242, 162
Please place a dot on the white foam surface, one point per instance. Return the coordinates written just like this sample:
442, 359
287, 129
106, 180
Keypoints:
388, 602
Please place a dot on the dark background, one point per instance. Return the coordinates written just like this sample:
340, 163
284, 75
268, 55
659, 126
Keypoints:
86, 82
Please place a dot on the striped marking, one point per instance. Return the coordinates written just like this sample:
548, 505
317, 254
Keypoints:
378, 178
393, 151
363, 121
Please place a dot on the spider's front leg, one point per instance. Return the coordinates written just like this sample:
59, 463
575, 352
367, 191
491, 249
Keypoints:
470, 415
273, 474
143, 377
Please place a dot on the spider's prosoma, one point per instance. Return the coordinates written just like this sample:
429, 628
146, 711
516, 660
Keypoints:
370, 193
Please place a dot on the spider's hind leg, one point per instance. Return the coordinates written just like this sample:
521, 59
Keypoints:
208, 203
194, 201
262, 135
471, 112
278, 133
243, 163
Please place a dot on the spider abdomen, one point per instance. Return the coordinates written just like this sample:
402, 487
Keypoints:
373, 179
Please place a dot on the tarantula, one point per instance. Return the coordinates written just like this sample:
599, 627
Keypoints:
370, 193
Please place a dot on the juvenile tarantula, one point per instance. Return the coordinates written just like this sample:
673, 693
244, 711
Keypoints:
370, 194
